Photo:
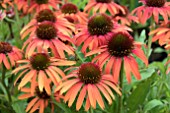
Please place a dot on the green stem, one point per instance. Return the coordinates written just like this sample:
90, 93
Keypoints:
120, 104
150, 37
91, 110
11, 31
78, 54
4, 85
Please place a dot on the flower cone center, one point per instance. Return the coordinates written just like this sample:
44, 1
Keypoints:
40, 61
99, 24
155, 3
89, 73
41, 1
5, 47
103, 1
46, 30
42, 95
46, 15
120, 45
69, 8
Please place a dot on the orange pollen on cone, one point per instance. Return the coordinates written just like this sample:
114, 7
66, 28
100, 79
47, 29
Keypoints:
100, 24
46, 15
41, 1
40, 61
103, 1
120, 45
155, 3
89, 73
69, 8
46, 30
5, 47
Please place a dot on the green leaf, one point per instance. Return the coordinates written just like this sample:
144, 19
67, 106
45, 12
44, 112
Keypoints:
158, 65
139, 94
19, 106
152, 104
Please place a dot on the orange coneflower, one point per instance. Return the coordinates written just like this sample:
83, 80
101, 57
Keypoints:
96, 31
120, 49
102, 6
162, 34
9, 55
48, 15
39, 99
152, 8
38, 5
70, 10
126, 18
40, 67
45, 36
91, 83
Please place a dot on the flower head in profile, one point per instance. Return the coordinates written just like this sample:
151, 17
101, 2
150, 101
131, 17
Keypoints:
88, 83
120, 50
70, 10
46, 36
125, 18
39, 100
96, 31
9, 55
102, 6
60, 23
38, 5
40, 67
162, 34
152, 8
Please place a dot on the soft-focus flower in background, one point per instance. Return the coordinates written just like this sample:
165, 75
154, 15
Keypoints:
125, 18
119, 51
60, 23
9, 55
162, 33
39, 99
96, 31
102, 6
6, 3
152, 8
38, 5
72, 11
91, 83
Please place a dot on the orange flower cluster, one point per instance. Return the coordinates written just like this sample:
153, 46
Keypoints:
58, 29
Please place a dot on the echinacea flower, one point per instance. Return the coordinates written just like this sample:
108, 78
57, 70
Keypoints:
9, 55
87, 83
126, 18
162, 34
39, 100
60, 23
96, 31
41, 67
152, 8
38, 5
72, 11
46, 36
120, 50
102, 6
